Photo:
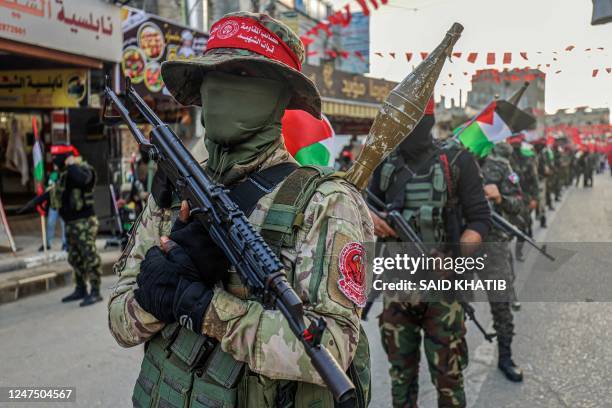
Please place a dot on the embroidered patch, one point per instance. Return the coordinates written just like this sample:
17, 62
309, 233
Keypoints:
351, 264
513, 177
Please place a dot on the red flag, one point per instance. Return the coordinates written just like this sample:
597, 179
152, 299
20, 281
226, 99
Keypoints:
378, 54
609, 70
524, 55
331, 53
348, 16
424, 55
306, 40
472, 57
384, 1
375, 4
457, 54
569, 48
359, 55
343, 54
490, 58
507, 58
312, 53
325, 27
595, 72
364, 7
408, 56
392, 54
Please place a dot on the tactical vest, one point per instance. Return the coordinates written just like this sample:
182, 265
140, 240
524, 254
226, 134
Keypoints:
421, 195
183, 369
79, 198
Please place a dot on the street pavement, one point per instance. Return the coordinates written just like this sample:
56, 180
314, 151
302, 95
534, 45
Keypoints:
564, 348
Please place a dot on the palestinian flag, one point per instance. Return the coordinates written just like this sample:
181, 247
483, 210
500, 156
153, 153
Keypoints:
39, 164
308, 139
527, 150
495, 123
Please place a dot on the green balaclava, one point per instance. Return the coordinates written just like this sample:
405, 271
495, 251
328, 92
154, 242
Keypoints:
242, 117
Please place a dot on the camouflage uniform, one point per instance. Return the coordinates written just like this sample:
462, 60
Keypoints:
526, 168
75, 205
82, 253
547, 165
335, 216
445, 347
497, 170
256, 355
439, 325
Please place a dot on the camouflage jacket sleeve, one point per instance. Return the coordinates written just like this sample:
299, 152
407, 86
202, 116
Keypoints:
129, 323
498, 171
335, 217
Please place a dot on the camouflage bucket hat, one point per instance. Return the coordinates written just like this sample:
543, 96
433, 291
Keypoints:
252, 44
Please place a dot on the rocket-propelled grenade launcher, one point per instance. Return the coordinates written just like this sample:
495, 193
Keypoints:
401, 111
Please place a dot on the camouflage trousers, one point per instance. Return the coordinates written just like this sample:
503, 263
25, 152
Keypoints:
499, 265
442, 325
82, 253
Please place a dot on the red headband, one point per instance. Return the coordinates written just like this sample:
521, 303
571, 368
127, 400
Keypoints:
64, 149
248, 34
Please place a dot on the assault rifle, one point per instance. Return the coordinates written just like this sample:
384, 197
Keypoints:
33, 203
504, 225
407, 234
258, 266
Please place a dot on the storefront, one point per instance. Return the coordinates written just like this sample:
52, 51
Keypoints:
149, 40
350, 101
54, 56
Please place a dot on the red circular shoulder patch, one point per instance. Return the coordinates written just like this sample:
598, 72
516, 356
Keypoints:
352, 282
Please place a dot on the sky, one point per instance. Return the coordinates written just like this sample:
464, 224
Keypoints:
498, 26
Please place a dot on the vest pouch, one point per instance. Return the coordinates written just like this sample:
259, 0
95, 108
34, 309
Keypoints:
175, 385
438, 181
76, 200
258, 391
217, 386
385, 176
148, 379
190, 347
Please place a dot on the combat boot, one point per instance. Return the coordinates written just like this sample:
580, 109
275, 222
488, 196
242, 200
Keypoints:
93, 297
79, 293
505, 363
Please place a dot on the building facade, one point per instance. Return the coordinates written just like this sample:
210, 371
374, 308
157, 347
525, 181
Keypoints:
54, 56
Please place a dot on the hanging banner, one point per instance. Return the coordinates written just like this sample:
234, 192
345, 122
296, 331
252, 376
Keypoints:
42, 88
83, 27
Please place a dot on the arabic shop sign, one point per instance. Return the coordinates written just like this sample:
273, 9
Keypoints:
337, 84
84, 27
57, 88
150, 40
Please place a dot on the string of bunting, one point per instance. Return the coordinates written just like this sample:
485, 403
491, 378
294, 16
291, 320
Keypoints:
340, 18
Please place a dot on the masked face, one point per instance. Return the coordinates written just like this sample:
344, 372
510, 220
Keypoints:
419, 140
59, 161
235, 108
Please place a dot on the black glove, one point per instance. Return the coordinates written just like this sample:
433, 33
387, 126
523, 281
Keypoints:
210, 262
190, 303
162, 189
158, 280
